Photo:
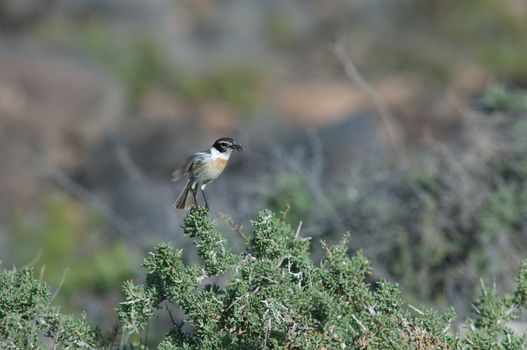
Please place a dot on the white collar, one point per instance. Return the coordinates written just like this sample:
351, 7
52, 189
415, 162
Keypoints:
217, 154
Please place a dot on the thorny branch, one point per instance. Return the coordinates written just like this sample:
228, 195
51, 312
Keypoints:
386, 117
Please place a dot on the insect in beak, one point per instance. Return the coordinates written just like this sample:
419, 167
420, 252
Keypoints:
237, 147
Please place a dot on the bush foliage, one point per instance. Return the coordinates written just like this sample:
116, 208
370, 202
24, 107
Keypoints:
272, 296
434, 224
29, 321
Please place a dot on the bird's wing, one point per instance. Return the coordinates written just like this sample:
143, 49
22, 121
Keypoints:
183, 168
200, 159
190, 164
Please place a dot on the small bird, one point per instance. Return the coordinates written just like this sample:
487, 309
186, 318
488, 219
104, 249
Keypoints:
203, 168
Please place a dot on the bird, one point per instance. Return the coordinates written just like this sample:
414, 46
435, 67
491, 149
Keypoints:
203, 168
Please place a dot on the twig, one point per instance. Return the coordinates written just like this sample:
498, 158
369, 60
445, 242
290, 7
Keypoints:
65, 181
313, 178
145, 341
33, 262
113, 337
416, 309
62, 279
354, 75
235, 227
41, 275
171, 317
359, 322
124, 338
297, 234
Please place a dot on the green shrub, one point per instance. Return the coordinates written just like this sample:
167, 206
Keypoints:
274, 297
52, 243
270, 297
28, 321
291, 194
497, 97
457, 213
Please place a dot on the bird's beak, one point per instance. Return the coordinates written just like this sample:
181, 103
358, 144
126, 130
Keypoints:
237, 147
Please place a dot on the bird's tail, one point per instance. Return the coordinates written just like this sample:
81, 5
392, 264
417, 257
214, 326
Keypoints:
186, 198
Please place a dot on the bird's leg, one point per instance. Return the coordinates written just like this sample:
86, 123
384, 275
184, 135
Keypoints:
195, 194
205, 198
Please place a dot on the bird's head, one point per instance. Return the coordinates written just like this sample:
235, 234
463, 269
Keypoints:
226, 144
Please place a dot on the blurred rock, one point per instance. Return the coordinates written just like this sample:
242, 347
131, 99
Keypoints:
518, 7
52, 105
317, 103
469, 80
19, 14
218, 118
159, 105
355, 139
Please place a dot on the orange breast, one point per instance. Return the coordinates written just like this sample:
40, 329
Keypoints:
212, 170
219, 164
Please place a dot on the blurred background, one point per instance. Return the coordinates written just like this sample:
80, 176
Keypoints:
402, 123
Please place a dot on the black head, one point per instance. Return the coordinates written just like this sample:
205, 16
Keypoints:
225, 144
